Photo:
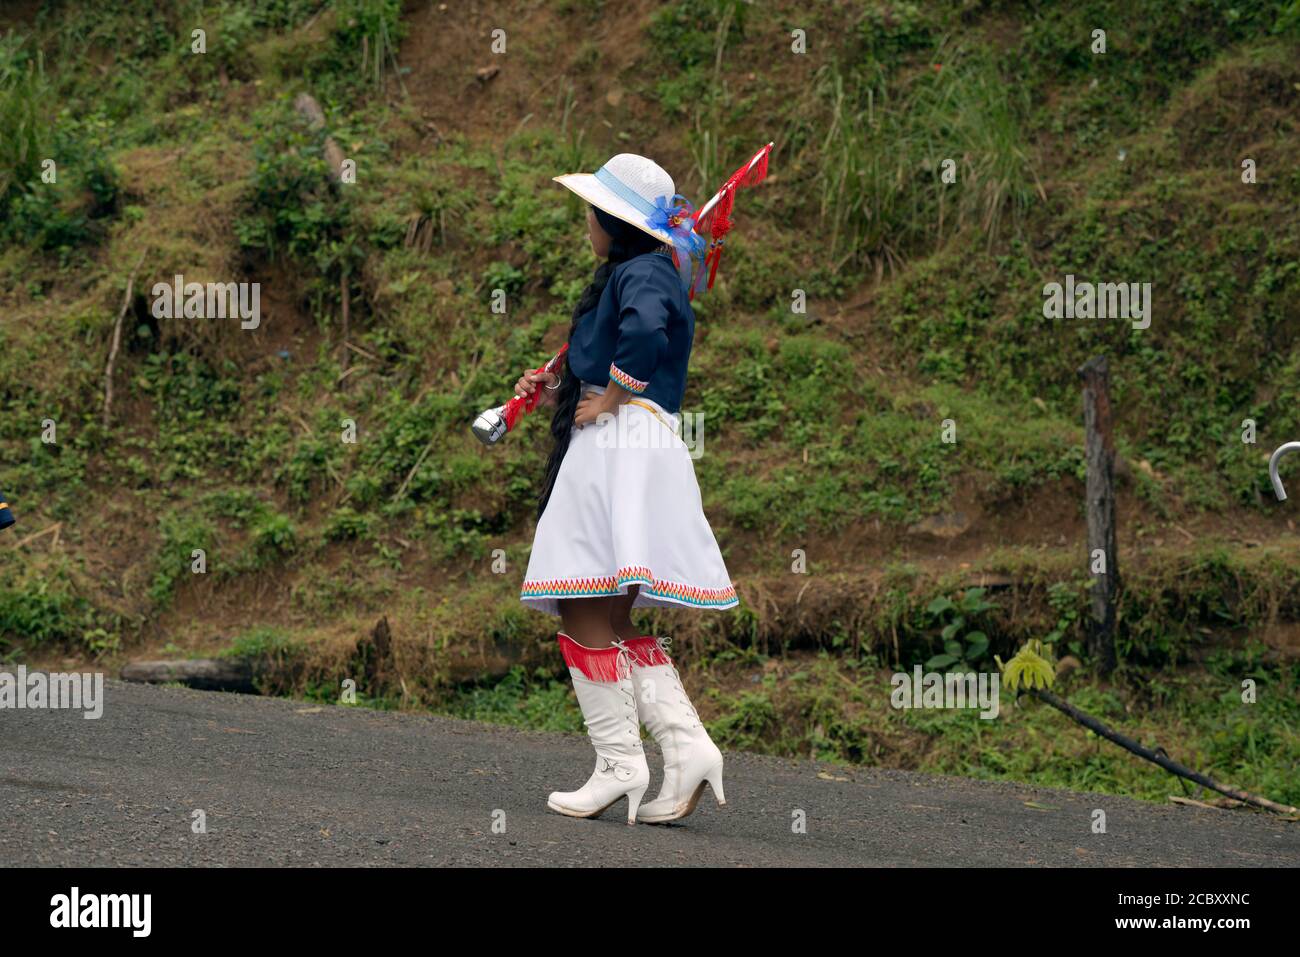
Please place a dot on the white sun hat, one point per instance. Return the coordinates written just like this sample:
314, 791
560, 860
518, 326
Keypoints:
632, 188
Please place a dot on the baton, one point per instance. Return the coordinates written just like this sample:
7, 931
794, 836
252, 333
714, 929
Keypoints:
492, 424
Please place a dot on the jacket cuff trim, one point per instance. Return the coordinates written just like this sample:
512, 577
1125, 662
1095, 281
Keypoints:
619, 377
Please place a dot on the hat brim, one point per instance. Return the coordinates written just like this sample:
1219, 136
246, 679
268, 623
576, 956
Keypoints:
599, 195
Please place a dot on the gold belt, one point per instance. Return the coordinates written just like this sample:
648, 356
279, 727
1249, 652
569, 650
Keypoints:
653, 411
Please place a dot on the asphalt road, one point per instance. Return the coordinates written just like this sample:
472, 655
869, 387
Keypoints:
288, 783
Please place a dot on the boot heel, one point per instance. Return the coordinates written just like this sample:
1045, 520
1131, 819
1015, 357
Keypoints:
714, 777
634, 802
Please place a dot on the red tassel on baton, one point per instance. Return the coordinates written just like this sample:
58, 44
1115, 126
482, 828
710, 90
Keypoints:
715, 215
492, 424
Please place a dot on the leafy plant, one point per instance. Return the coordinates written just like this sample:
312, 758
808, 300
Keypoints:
370, 30
274, 536
182, 533
346, 523
68, 210
1031, 667
962, 649
42, 615
1065, 600
278, 659
23, 88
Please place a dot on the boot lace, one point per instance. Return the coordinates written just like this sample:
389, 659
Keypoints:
664, 644
623, 665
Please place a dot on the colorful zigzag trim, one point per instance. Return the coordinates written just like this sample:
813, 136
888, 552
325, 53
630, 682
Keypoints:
619, 377
616, 584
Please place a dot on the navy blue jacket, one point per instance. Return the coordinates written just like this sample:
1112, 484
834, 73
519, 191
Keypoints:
6, 516
639, 335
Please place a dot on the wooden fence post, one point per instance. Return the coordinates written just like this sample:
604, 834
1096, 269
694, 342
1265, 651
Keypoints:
1100, 457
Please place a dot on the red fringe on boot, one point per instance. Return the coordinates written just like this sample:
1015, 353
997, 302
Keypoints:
647, 652
597, 664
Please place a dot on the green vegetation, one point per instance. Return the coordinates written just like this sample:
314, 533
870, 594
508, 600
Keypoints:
937, 163
963, 647
816, 707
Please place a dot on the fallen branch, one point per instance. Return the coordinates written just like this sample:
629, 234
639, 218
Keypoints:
345, 295
411, 474
117, 342
351, 369
369, 355
303, 422
35, 535
1128, 744
1218, 804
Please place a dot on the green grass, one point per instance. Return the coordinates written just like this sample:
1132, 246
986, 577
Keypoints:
538, 703
903, 168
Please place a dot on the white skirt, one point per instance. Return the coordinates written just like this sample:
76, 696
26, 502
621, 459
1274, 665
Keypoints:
626, 511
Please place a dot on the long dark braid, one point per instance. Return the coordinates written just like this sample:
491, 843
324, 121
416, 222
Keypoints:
626, 242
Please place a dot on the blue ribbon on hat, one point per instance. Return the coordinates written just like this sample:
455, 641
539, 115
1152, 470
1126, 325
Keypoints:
660, 215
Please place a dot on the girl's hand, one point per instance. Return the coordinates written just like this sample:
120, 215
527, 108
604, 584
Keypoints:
530, 382
592, 405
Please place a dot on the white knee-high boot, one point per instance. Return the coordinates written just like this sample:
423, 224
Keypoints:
690, 757
602, 680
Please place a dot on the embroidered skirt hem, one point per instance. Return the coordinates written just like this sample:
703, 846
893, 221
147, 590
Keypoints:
626, 512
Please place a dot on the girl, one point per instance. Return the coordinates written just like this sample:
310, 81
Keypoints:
620, 522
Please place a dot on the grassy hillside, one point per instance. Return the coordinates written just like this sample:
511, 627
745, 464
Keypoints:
822, 427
